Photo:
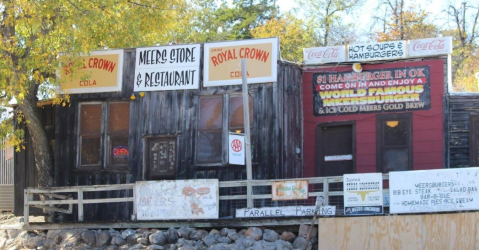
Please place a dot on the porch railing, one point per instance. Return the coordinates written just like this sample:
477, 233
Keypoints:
329, 187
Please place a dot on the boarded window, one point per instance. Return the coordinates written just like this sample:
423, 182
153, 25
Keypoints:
236, 116
118, 127
90, 134
93, 137
209, 149
394, 142
211, 134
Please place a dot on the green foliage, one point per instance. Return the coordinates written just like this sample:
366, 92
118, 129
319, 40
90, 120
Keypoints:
34, 32
292, 34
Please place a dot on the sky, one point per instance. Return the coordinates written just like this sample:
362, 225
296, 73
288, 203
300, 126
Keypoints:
434, 7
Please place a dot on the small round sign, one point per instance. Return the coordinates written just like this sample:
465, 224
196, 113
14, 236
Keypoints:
236, 145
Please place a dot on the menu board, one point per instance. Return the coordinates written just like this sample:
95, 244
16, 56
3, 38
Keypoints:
434, 190
363, 194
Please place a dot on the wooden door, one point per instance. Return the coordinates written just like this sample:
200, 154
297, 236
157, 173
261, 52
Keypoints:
335, 144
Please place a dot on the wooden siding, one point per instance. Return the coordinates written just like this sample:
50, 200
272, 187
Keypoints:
25, 172
6, 198
6, 164
460, 108
276, 129
424, 231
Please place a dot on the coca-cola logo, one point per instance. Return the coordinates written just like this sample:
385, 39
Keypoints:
324, 53
436, 44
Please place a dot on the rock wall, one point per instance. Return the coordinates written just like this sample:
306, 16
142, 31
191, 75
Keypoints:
253, 238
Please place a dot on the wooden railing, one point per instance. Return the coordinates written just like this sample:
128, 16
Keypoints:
56, 193
59, 193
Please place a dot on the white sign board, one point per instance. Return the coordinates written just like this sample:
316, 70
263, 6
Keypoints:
321, 55
284, 211
167, 68
377, 51
434, 190
363, 194
236, 149
430, 46
179, 199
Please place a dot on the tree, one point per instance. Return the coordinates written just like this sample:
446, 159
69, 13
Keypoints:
244, 15
465, 55
292, 35
323, 19
401, 23
34, 32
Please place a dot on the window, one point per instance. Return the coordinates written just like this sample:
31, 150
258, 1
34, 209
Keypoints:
394, 142
214, 123
93, 134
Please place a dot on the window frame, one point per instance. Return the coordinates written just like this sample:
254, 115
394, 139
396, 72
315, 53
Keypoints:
225, 129
104, 138
380, 118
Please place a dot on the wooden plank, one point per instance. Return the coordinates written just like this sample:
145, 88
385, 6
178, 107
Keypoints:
237, 223
84, 188
80, 205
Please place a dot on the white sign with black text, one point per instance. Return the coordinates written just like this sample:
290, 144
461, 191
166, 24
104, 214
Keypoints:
321, 55
167, 68
363, 194
430, 46
377, 51
434, 190
236, 149
284, 211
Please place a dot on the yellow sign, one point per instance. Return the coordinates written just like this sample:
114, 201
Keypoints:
100, 72
222, 64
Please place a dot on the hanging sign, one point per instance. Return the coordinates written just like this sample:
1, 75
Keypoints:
377, 51
222, 65
321, 55
430, 46
372, 91
434, 190
363, 194
236, 149
101, 71
179, 199
167, 68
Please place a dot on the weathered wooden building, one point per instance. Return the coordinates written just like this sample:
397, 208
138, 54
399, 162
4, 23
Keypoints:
126, 136
463, 130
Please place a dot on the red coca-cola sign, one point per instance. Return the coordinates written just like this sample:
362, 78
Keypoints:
324, 54
430, 46
436, 44
327, 53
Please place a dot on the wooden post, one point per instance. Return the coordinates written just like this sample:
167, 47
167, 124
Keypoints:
326, 191
26, 206
80, 204
249, 170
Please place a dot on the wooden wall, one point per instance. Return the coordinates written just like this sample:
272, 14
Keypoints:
460, 107
426, 231
277, 124
25, 173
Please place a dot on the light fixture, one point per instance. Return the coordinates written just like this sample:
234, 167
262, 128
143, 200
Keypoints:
392, 124
357, 67
238, 131
133, 97
142, 94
